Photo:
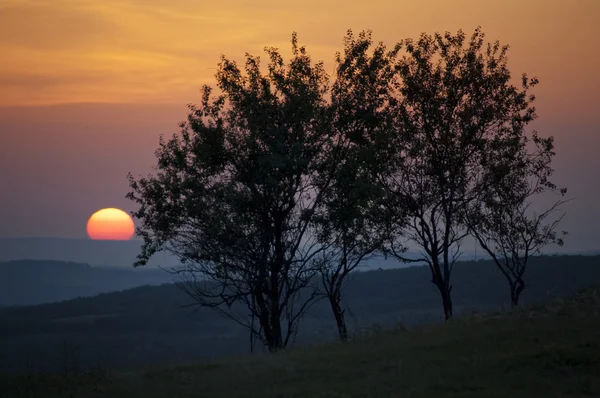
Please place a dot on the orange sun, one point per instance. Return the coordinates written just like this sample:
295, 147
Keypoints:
110, 224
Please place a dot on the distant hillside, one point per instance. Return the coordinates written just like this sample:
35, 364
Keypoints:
28, 282
150, 324
537, 352
93, 252
35, 281
116, 253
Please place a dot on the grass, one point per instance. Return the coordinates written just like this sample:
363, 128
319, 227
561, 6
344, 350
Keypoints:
547, 351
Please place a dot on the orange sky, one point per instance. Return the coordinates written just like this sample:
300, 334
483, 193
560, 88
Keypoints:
145, 59
64, 51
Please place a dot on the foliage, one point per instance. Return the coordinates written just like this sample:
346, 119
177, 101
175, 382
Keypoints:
456, 106
234, 192
282, 177
504, 220
353, 223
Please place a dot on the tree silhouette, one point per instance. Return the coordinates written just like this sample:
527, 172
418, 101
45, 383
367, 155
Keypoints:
456, 105
353, 222
504, 220
234, 193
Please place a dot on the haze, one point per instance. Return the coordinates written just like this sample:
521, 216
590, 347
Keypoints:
87, 87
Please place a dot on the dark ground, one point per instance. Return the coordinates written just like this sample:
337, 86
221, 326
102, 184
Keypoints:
149, 324
549, 351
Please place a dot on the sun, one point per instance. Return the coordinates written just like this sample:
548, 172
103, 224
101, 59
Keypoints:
110, 224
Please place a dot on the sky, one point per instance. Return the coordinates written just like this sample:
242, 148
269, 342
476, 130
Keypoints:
87, 87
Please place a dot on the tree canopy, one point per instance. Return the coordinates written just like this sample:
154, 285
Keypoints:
289, 176
235, 190
459, 120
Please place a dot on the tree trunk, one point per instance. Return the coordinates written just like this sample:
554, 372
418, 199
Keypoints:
446, 299
269, 319
273, 337
338, 314
515, 292
276, 342
443, 285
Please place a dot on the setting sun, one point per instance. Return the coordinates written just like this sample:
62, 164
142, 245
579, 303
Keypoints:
110, 224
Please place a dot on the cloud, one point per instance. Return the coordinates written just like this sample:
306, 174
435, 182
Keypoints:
159, 50
71, 51
48, 26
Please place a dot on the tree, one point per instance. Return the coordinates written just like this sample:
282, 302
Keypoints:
456, 103
504, 221
352, 222
235, 191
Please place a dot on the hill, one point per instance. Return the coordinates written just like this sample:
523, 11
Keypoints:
43, 270
106, 253
30, 282
548, 351
153, 323
103, 253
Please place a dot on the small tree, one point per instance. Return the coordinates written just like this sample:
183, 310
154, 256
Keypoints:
504, 221
352, 222
456, 100
234, 193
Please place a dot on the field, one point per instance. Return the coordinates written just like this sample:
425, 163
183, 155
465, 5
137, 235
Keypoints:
153, 324
545, 351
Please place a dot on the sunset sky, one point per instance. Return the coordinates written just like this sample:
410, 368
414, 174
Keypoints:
87, 86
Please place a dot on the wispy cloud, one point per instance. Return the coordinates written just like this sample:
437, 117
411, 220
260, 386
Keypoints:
131, 51
158, 50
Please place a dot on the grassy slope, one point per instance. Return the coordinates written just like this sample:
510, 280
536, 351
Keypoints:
550, 351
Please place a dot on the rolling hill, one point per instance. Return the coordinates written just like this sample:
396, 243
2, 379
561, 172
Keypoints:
104, 253
544, 351
153, 323
29, 282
